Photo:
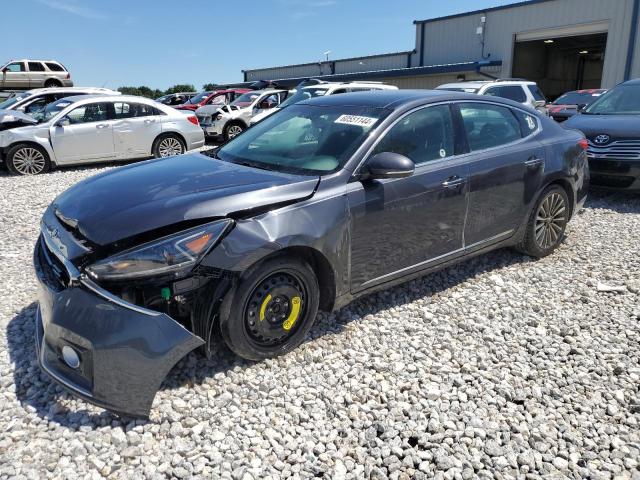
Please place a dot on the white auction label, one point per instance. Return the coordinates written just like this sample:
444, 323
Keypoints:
356, 120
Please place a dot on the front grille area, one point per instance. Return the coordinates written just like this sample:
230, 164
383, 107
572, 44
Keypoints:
53, 272
613, 166
620, 149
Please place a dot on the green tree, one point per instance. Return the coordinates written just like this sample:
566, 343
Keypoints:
210, 86
186, 87
141, 91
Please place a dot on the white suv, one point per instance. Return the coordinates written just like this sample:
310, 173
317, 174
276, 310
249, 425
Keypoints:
321, 89
23, 74
521, 91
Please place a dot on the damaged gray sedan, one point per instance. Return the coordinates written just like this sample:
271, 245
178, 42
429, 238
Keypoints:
318, 204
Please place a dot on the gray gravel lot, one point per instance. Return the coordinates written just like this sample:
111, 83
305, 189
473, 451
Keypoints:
502, 367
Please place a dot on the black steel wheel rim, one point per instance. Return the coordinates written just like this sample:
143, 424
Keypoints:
275, 309
550, 220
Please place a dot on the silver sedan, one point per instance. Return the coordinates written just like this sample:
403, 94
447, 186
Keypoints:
88, 128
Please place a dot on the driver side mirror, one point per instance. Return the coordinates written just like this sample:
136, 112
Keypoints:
388, 165
63, 122
582, 107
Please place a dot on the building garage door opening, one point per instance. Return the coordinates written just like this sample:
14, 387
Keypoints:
559, 65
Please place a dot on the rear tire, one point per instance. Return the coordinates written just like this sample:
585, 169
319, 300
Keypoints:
547, 223
27, 159
271, 310
52, 83
232, 130
168, 145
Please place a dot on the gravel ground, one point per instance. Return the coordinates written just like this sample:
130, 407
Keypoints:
502, 367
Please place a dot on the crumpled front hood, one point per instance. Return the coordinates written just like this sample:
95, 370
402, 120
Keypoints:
13, 119
146, 196
616, 126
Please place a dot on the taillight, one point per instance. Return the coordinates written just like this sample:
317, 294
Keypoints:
583, 143
68, 75
193, 119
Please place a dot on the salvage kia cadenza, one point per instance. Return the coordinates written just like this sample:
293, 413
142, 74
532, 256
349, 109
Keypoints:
320, 203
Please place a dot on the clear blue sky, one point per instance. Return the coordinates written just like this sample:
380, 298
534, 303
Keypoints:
159, 44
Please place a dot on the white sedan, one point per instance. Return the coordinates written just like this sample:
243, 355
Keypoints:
87, 128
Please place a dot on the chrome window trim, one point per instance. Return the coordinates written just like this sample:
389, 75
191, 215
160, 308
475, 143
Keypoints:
367, 154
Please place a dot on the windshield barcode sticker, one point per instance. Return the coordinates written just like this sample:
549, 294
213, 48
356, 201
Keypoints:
356, 120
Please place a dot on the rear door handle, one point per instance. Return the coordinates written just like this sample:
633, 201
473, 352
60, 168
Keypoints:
533, 162
102, 125
454, 182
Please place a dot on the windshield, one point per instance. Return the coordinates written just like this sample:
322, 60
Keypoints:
304, 139
577, 98
198, 98
245, 99
622, 100
13, 99
460, 89
51, 110
303, 94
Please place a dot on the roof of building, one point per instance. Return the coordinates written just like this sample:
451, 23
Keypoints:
522, 3
394, 72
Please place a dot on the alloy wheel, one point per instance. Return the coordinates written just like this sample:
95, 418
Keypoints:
550, 220
170, 146
234, 131
274, 309
29, 161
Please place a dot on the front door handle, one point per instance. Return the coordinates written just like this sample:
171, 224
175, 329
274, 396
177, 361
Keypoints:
454, 182
102, 125
533, 162
149, 120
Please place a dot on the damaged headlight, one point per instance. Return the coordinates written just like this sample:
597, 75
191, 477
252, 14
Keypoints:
174, 253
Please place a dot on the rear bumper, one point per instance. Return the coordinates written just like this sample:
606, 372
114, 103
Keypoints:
125, 351
614, 173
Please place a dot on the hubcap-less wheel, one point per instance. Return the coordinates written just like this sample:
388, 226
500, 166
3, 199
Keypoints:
29, 161
170, 146
234, 131
274, 308
550, 220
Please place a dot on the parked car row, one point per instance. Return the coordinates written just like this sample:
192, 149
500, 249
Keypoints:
325, 201
95, 128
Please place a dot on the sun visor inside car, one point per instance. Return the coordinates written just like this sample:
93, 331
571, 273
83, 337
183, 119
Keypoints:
10, 119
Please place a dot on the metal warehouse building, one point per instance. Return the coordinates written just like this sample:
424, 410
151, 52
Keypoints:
560, 44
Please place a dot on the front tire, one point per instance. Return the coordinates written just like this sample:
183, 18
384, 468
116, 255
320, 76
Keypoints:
271, 310
168, 145
547, 223
232, 130
27, 159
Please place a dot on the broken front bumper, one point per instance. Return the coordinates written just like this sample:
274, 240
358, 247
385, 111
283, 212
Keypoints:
124, 350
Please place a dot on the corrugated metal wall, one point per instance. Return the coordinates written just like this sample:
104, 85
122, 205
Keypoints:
456, 40
360, 64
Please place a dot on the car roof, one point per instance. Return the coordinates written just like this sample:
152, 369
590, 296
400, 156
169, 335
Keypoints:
35, 91
635, 81
107, 97
399, 99
482, 83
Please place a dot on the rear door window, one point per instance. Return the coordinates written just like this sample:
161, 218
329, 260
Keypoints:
528, 123
36, 67
489, 126
510, 92
537, 93
133, 110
